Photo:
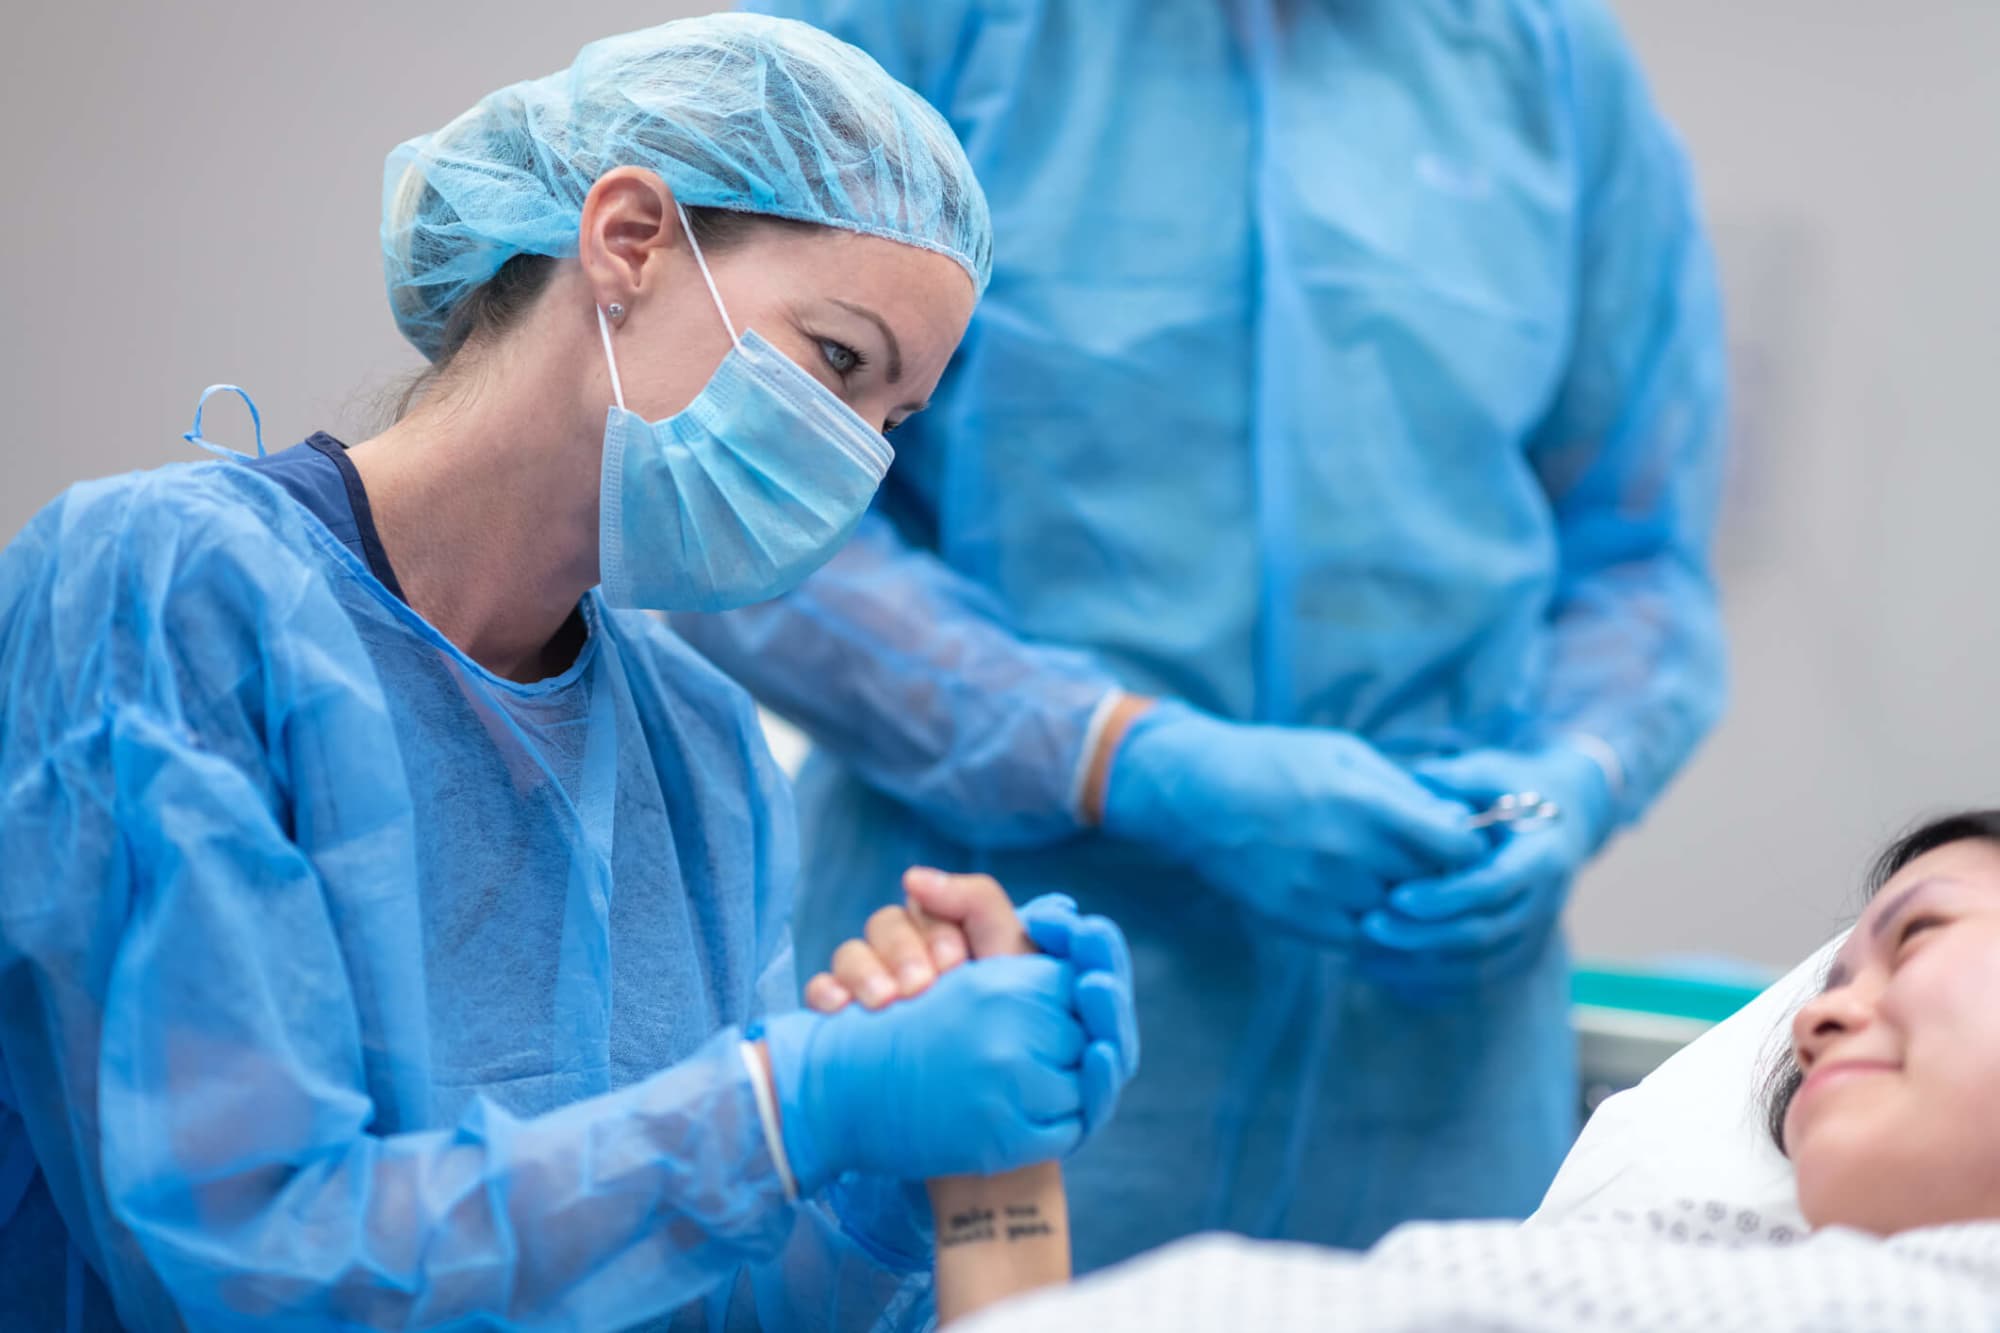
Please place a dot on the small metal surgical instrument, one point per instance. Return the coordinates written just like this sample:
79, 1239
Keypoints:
1526, 807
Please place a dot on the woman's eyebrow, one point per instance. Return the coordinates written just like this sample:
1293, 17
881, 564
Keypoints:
1837, 975
894, 369
1888, 915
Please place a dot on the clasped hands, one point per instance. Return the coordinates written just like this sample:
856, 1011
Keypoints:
1318, 833
956, 1038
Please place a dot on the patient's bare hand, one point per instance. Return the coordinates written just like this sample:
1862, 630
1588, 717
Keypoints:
945, 920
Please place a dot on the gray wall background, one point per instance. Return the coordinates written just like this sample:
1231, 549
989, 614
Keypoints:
192, 192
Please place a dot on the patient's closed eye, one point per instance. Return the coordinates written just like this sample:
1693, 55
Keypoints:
1917, 925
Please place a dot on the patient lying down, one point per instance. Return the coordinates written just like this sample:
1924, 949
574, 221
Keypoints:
1887, 1103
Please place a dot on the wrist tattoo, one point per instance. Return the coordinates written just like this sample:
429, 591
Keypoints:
966, 1228
1024, 1221
1016, 1221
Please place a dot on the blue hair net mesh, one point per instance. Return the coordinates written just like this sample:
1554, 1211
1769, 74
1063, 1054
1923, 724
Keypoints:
735, 111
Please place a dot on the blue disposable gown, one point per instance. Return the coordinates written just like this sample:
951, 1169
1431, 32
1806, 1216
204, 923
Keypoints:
348, 985
1346, 364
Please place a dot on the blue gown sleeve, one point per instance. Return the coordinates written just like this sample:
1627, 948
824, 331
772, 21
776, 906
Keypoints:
1632, 453
859, 1255
909, 673
182, 1033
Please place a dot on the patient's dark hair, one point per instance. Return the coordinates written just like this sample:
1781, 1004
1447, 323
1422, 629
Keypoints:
1782, 1078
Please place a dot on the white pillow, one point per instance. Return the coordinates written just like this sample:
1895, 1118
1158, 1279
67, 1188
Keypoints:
1694, 1127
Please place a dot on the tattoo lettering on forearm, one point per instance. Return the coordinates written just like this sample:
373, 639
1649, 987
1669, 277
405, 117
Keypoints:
1024, 1221
1017, 1221
974, 1224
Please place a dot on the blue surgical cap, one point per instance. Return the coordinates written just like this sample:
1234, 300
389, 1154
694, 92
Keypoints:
735, 111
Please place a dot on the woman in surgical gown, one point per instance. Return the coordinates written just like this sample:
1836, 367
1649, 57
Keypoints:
393, 924
1334, 454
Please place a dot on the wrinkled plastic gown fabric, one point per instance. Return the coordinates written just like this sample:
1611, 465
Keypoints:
1351, 365
347, 985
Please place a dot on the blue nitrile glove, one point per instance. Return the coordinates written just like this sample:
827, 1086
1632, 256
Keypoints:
981, 1073
1492, 920
1096, 948
1306, 827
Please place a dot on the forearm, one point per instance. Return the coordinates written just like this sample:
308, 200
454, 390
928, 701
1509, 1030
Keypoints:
1638, 675
999, 1236
641, 1199
1632, 451
910, 675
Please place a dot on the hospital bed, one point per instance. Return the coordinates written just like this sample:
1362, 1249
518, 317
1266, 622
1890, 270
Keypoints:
1630, 1020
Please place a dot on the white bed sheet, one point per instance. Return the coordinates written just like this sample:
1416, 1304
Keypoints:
1711, 1267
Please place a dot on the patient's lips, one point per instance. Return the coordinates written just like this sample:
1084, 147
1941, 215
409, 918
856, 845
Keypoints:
1837, 1073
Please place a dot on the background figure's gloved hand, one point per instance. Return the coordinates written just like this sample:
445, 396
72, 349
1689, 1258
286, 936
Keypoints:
1306, 827
1096, 948
981, 1073
1492, 920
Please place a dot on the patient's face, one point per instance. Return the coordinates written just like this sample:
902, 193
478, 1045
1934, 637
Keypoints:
1898, 1122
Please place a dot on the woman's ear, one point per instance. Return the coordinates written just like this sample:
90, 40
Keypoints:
629, 221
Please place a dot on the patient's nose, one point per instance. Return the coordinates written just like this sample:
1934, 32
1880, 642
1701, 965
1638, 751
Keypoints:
1827, 1017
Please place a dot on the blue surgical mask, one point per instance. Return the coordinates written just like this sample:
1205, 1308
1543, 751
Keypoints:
737, 498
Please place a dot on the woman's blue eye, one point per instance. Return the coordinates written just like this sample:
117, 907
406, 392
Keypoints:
844, 359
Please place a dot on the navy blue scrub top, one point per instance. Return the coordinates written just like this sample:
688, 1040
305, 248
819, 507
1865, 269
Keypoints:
319, 475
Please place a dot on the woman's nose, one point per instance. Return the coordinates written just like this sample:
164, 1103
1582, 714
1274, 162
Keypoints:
1826, 1018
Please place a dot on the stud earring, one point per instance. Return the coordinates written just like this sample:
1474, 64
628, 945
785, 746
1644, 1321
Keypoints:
615, 313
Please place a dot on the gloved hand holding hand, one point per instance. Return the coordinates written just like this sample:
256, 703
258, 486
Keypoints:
1096, 948
951, 1079
1306, 827
1490, 921
982, 1073
952, 917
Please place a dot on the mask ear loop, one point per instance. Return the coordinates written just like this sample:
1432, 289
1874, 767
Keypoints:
604, 331
706, 276
604, 324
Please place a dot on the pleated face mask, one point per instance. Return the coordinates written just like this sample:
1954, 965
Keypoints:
738, 497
